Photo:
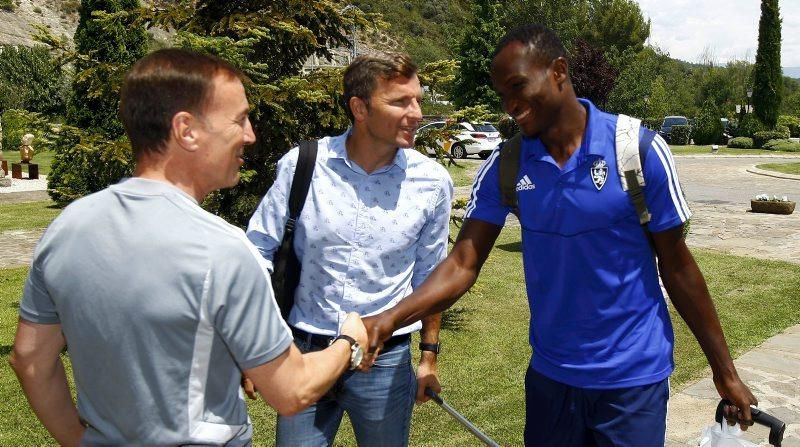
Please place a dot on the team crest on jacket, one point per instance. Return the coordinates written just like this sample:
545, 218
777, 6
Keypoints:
599, 174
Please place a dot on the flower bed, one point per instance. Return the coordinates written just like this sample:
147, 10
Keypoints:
762, 203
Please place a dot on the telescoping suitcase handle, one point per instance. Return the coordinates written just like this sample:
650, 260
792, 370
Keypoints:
776, 426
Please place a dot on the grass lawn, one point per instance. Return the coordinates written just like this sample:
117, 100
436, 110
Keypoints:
44, 160
485, 350
28, 215
723, 150
786, 168
462, 173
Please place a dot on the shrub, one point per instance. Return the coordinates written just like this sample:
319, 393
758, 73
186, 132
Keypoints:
7, 5
792, 122
759, 138
85, 163
680, 134
17, 123
708, 127
741, 143
749, 126
31, 79
783, 130
507, 127
782, 146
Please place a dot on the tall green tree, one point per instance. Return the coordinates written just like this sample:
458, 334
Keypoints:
616, 23
659, 103
473, 85
107, 49
31, 79
567, 18
768, 76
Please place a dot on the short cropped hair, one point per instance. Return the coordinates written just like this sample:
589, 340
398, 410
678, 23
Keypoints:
162, 84
543, 44
361, 76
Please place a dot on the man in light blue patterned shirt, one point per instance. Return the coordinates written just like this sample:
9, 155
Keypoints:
374, 225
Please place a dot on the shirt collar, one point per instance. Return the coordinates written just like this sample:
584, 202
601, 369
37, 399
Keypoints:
149, 187
337, 149
591, 144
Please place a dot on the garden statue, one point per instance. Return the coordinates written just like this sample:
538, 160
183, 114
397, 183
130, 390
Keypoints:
26, 150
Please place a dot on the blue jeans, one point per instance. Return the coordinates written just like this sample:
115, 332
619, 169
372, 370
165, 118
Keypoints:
378, 402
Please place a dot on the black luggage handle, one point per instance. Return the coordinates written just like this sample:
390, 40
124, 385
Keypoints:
776, 426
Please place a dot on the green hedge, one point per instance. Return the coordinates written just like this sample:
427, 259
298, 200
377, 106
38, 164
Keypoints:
17, 123
7, 5
707, 128
749, 126
792, 122
759, 138
680, 135
782, 146
741, 143
85, 163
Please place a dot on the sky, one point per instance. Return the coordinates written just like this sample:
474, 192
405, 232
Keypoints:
727, 28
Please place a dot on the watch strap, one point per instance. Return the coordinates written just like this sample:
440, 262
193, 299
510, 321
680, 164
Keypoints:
349, 339
431, 347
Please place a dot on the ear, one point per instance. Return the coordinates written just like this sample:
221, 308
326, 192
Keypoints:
359, 108
560, 69
184, 131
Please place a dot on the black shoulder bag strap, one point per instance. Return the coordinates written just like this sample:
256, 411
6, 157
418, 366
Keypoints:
286, 266
509, 170
636, 191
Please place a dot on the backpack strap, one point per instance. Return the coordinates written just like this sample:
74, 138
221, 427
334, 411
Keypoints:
631, 152
509, 169
301, 182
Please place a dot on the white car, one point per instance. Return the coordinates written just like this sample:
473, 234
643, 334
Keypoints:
470, 139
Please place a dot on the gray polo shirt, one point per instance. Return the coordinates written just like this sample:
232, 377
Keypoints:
162, 305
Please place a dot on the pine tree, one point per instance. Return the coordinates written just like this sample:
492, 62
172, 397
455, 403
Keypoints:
768, 76
473, 85
108, 47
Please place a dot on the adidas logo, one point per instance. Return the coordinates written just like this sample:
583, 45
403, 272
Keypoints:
525, 184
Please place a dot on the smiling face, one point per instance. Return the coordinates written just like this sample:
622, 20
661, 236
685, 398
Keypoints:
224, 130
392, 114
530, 90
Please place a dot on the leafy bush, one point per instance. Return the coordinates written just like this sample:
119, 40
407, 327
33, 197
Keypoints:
784, 130
708, 127
741, 143
749, 126
31, 79
759, 138
507, 127
7, 5
680, 134
782, 146
85, 163
792, 122
17, 123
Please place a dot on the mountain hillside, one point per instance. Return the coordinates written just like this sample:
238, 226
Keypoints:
16, 26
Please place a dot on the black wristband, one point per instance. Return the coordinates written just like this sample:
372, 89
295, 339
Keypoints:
431, 347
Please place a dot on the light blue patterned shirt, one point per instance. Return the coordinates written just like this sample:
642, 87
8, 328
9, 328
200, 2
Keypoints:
365, 241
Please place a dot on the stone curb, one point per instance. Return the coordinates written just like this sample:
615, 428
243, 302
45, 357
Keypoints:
755, 170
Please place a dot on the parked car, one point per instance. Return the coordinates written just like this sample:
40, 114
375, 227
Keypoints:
470, 139
669, 121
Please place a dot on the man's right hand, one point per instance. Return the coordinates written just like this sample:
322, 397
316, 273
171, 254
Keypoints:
354, 327
379, 329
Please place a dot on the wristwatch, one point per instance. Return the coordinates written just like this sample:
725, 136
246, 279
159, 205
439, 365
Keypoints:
432, 347
356, 353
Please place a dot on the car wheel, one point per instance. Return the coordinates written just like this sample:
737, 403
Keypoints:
458, 151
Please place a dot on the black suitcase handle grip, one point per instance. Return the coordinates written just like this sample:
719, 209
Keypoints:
775, 425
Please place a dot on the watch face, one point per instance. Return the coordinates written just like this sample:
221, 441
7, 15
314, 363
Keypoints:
356, 356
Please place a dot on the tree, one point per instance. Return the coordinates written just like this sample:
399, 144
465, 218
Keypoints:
593, 77
708, 127
270, 41
567, 18
768, 77
106, 48
473, 84
31, 79
659, 103
634, 82
618, 24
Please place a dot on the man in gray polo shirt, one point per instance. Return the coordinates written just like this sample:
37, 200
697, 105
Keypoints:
162, 304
